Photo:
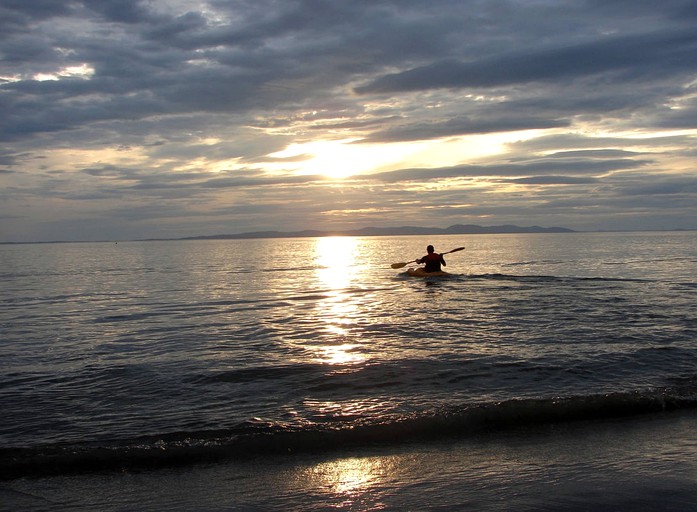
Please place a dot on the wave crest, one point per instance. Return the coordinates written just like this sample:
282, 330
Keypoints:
258, 437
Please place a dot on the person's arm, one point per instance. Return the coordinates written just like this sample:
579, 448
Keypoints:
442, 260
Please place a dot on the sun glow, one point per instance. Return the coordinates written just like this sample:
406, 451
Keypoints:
339, 159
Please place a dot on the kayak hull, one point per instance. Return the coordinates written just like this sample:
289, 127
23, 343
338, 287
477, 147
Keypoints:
419, 272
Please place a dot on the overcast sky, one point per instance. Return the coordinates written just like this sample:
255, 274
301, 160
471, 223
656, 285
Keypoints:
124, 119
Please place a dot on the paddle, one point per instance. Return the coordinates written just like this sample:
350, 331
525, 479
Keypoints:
400, 265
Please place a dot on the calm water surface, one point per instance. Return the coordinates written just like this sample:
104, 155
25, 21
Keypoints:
209, 348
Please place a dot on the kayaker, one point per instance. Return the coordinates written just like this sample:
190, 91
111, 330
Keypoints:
432, 260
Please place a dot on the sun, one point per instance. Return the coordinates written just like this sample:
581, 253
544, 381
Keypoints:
339, 159
335, 159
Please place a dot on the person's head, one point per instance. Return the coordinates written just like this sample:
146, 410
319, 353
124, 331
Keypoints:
430, 249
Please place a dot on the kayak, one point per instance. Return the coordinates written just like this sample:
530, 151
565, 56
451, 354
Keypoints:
420, 272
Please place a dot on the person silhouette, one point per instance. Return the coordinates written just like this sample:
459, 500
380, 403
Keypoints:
432, 260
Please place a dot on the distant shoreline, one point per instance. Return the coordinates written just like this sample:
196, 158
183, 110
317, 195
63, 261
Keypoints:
457, 229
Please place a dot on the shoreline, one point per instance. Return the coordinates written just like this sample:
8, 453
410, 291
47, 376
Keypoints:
644, 462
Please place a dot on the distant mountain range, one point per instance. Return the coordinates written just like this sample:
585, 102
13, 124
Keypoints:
457, 229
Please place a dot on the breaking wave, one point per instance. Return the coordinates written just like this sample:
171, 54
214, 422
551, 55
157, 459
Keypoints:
258, 437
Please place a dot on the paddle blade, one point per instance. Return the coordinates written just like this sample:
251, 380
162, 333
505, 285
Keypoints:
398, 265
455, 250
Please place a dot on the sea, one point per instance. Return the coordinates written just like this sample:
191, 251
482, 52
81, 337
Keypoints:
552, 371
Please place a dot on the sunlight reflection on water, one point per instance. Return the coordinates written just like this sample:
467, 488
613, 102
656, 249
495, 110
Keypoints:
339, 355
335, 257
347, 480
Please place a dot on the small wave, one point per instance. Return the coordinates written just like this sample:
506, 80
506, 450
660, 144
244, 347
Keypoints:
254, 374
534, 262
513, 277
549, 278
651, 260
203, 309
129, 317
258, 437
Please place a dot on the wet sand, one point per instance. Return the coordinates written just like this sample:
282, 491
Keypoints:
639, 463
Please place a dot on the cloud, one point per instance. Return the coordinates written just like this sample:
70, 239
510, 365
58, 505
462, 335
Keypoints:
553, 180
551, 167
632, 57
124, 111
672, 186
461, 126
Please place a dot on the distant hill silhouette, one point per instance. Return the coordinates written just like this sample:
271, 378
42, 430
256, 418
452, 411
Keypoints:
457, 229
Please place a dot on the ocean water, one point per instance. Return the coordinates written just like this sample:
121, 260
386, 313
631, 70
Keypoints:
149, 356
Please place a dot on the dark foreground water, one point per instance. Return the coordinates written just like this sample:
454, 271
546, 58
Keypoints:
312, 357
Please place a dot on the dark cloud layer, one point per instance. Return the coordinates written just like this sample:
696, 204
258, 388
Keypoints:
631, 57
570, 169
129, 118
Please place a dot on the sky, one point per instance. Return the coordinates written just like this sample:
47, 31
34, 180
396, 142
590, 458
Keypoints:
127, 119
